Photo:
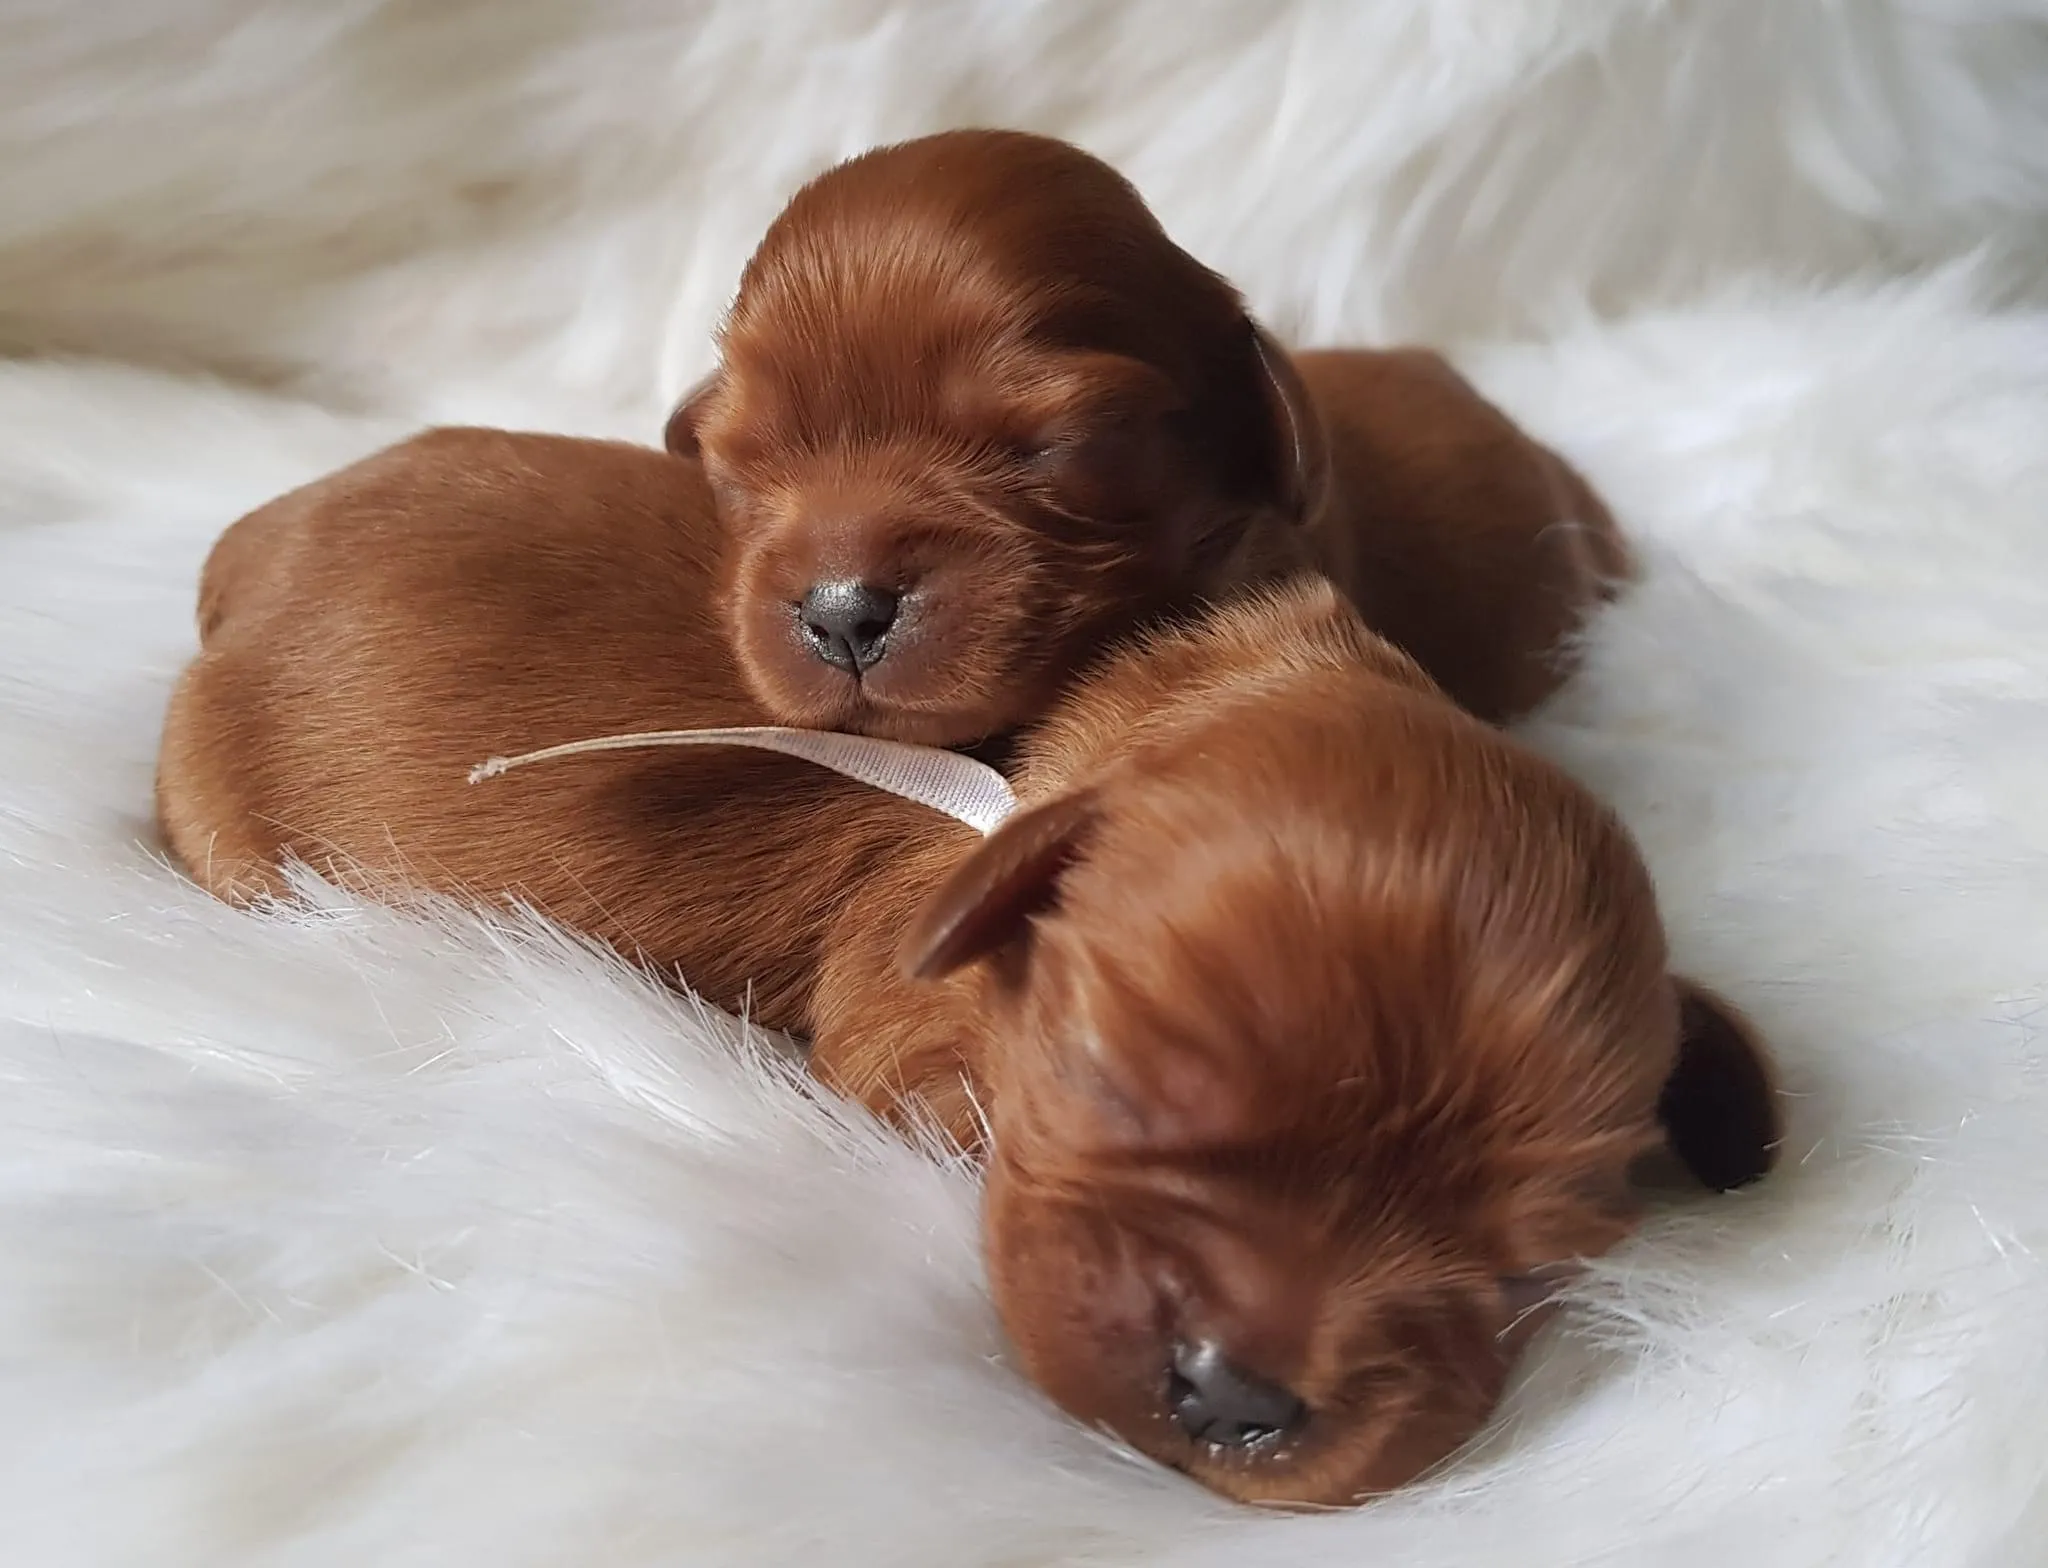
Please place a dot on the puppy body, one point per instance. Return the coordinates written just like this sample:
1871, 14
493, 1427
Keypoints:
1315, 1026
367, 639
1476, 550
1310, 1022
972, 378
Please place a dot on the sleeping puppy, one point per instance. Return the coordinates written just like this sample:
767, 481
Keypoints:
365, 639
1318, 1028
1316, 1025
976, 416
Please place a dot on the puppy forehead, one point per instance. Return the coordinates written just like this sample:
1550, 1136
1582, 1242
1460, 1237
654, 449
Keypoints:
872, 290
1283, 955
1013, 211
925, 364
863, 277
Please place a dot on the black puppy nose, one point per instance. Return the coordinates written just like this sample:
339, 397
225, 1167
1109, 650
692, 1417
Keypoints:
1215, 1402
847, 623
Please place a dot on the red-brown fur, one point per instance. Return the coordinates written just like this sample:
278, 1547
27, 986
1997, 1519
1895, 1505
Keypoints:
1474, 549
1312, 1019
973, 369
365, 640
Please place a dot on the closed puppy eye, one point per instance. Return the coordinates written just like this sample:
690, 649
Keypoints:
1027, 449
1056, 438
1110, 463
1036, 449
1374, 1384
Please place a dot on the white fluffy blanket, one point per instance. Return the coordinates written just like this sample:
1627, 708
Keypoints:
352, 1240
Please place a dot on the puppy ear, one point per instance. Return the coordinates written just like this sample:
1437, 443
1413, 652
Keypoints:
680, 434
1719, 1107
984, 904
1301, 453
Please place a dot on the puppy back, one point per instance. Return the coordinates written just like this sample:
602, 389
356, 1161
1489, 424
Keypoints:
1475, 548
474, 593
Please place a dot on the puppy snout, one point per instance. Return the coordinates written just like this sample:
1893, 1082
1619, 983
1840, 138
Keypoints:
846, 623
1219, 1403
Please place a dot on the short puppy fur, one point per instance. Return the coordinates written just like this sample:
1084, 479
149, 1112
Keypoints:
367, 639
1312, 1025
977, 416
1319, 1029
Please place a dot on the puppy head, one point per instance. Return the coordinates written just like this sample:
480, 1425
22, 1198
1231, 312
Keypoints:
1326, 1051
975, 416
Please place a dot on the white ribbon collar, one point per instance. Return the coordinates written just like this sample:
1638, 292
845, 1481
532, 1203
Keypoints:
962, 788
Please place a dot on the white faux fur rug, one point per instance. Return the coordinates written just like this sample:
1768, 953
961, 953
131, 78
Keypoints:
352, 1240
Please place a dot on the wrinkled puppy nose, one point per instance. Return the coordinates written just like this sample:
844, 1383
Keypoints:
847, 623
1215, 1402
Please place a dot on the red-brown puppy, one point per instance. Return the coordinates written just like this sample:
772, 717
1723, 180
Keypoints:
976, 415
1474, 549
1317, 1027
366, 639
1316, 1023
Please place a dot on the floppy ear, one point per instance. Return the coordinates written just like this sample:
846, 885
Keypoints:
984, 904
1301, 454
1719, 1107
680, 434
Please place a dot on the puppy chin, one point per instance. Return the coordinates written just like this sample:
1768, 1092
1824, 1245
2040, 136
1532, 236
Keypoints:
806, 694
908, 697
930, 710
949, 730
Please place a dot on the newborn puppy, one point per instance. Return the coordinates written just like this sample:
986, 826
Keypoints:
1318, 1028
365, 640
976, 416
1317, 1025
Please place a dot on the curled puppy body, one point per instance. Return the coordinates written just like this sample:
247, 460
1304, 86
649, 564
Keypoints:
1318, 1028
977, 416
1316, 1024
368, 638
